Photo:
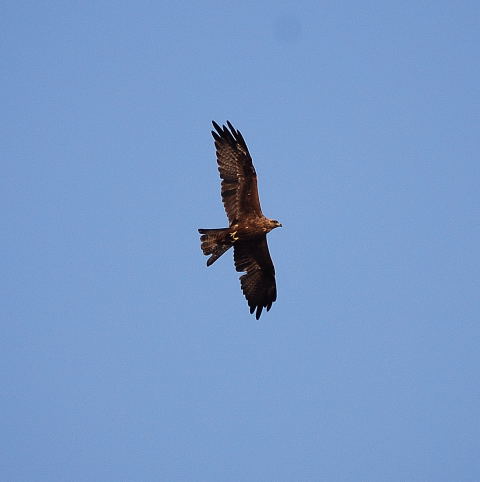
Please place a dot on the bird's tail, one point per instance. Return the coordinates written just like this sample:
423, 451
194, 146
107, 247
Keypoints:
215, 242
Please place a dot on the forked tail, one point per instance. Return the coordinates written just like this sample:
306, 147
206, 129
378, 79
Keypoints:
215, 242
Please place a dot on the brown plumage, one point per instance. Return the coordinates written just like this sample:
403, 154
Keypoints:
248, 228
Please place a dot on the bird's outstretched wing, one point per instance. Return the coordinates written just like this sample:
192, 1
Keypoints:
258, 284
239, 179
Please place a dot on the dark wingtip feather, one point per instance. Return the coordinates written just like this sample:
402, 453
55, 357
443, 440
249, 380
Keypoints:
228, 134
229, 124
236, 133
216, 135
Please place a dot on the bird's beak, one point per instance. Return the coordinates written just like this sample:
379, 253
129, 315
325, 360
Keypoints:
280, 225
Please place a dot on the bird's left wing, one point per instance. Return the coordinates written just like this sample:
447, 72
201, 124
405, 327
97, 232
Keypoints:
258, 284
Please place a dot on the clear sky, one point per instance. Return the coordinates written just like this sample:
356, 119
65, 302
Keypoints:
123, 358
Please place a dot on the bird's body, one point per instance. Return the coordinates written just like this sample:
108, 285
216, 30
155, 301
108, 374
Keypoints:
252, 228
248, 226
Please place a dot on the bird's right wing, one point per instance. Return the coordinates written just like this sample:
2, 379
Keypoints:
239, 179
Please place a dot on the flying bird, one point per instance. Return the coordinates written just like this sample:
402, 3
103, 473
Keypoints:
248, 228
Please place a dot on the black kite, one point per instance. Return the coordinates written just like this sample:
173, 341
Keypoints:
248, 228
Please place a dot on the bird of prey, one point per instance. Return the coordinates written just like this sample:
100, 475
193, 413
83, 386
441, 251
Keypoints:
248, 228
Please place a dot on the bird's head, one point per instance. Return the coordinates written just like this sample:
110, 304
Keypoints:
275, 224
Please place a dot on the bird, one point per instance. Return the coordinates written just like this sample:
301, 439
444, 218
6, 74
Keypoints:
248, 227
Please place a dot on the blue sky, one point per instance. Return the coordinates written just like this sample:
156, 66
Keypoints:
124, 357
